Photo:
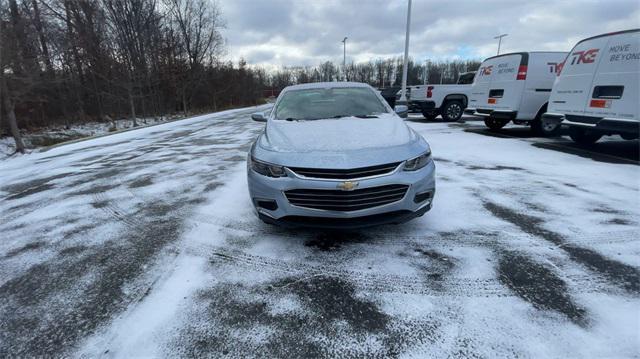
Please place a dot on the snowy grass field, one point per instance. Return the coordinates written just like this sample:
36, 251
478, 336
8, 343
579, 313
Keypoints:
144, 243
39, 139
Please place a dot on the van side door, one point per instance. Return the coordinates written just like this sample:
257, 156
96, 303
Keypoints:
541, 73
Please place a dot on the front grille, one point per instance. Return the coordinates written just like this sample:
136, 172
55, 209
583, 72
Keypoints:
345, 174
337, 200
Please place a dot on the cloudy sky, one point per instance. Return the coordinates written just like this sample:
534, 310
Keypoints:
308, 32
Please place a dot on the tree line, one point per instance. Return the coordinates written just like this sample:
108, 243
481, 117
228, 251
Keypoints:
378, 73
81, 60
66, 61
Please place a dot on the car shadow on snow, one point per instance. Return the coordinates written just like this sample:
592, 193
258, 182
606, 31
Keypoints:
333, 240
611, 151
509, 132
439, 119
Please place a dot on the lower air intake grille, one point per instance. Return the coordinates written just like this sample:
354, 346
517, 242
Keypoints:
337, 200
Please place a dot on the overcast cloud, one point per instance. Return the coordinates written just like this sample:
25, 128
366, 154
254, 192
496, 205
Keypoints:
308, 32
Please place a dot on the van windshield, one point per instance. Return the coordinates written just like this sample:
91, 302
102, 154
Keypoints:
324, 103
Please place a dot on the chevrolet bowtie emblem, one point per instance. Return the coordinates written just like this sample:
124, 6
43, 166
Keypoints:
348, 185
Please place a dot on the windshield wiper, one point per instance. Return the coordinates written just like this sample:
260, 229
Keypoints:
366, 116
358, 116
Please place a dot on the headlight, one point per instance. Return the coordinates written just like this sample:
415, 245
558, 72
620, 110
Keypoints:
266, 169
417, 163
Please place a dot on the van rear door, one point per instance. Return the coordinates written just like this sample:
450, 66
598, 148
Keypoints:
480, 87
571, 89
614, 91
506, 86
496, 86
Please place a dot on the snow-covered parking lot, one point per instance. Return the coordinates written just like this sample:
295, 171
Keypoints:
144, 243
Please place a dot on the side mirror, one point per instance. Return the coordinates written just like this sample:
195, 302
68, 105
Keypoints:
402, 110
258, 117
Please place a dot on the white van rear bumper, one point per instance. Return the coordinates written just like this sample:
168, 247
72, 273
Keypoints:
602, 124
498, 114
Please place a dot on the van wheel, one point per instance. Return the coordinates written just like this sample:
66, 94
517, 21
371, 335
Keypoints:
429, 116
583, 137
494, 123
542, 128
452, 111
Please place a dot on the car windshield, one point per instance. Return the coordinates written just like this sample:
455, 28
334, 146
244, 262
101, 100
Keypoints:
323, 103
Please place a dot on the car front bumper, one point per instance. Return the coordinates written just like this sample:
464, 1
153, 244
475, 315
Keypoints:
264, 191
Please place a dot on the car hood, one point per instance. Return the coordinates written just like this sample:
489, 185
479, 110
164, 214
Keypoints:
343, 134
339, 143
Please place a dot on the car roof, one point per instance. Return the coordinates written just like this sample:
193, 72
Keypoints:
325, 85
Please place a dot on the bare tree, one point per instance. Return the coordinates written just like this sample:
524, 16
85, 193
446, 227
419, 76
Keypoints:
17, 68
198, 22
79, 60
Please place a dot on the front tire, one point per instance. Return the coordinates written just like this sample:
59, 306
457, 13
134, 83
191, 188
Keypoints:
452, 111
583, 137
494, 123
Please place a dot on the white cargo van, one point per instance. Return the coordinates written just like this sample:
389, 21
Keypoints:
515, 87
597, 91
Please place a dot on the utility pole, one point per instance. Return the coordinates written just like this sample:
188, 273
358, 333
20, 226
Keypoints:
403, 94
344, 57
499, 37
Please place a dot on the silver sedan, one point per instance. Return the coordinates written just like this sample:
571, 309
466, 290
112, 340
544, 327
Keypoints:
335, 155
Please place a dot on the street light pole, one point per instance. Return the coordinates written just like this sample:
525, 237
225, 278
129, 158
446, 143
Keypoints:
344, 57
403, 95
426, 73
499, 37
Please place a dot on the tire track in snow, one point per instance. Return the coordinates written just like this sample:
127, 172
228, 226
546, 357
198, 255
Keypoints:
618, 273
455, 286
462, 238
113, 209
48, 307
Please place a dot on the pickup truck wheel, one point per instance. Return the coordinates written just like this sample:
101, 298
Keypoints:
494, 123
452, 111
429, 116
583, 137
542, 128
